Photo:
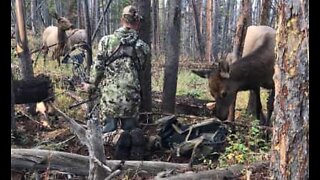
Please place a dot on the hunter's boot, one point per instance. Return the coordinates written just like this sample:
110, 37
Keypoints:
123, 146
138, 144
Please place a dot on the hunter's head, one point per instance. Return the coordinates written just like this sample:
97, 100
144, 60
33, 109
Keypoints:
130, 17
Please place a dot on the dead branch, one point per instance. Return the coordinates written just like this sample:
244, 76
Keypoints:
232, 172
36, 159
74, 126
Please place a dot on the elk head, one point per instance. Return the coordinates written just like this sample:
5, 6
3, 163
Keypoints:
63, 23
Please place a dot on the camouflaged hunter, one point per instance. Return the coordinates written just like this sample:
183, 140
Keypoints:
115, 73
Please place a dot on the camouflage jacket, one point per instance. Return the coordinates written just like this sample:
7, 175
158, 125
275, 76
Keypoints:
118, 82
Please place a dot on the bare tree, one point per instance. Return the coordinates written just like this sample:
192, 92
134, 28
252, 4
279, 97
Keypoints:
244, 21
209, 32
197, 26
88, 31
34, 19
265, 12
172, 57
226, 26
144, 33
290, 141
155, 4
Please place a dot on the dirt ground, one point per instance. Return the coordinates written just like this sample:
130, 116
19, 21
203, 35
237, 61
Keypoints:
35, 131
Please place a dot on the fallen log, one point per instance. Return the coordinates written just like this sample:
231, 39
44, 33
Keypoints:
34, 90
36, 159
232, 172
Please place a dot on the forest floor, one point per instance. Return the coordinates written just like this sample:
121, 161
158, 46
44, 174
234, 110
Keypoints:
53, 133
36, 132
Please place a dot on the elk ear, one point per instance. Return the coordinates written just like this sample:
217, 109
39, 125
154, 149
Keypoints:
224, 69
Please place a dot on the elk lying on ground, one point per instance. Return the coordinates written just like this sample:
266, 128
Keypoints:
254, 70
55, 38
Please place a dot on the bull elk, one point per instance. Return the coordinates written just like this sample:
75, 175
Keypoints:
55, 38
254, 70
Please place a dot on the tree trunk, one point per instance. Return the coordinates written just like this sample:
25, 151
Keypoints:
45, 13
290, 141
216, 29
34, 19
265, 12
31, 159
79, 24
155, 36
22, 43
226, 28
209, 32
172, 57
88, 31
243, 22
200, 10
197, 24
144, 33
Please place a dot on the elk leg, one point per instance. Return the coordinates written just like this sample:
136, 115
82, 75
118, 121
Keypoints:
259, 112
270, 106
232, 108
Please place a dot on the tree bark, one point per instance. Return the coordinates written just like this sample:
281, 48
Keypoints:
226, 27
290, 141
209, 32
172, 57
244, 21
32, 159
34, 19
265, 12
88, 31
155, 30
199, 37
22, 42
144, 33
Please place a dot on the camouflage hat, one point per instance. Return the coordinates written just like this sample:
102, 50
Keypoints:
130, 13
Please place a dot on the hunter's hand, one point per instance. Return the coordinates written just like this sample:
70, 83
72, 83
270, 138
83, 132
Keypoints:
85, 86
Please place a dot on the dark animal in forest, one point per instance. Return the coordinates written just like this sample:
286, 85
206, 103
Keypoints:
55, 38
254, 70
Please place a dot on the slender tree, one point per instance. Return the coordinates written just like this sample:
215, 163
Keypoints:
265, 12
290, 141
244, 21
197, 26
209, 32
172, 57
144, 33
34, 19
155, 29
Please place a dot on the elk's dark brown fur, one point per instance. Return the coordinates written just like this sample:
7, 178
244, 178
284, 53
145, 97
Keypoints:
251, 72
